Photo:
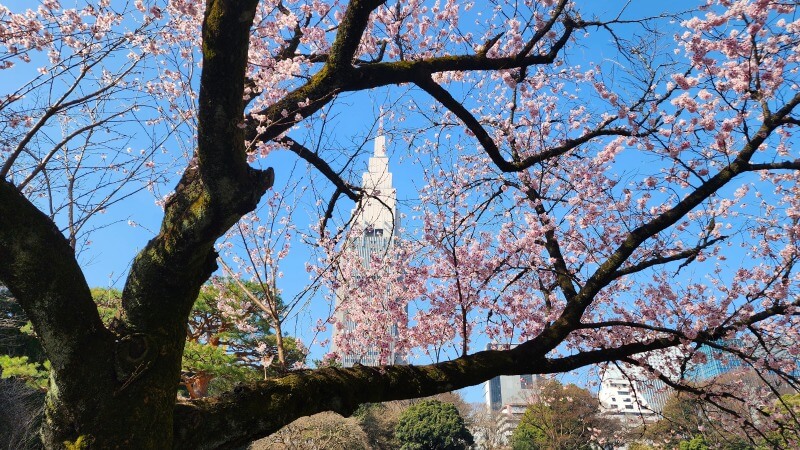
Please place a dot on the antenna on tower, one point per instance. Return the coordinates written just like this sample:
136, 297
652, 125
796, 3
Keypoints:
380, 121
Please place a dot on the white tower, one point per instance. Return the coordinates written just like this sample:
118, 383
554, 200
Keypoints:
375, 224
377, 213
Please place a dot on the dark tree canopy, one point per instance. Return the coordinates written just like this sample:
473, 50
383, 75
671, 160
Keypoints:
432, 425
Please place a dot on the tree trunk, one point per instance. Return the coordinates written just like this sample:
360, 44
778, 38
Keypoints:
127, 402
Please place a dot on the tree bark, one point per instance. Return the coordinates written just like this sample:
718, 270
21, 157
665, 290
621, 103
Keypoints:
116, 388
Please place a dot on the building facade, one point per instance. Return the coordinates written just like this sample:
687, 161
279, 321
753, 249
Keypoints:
630, 397
374, 227
717, 362
504, 392
634, 397
507, 397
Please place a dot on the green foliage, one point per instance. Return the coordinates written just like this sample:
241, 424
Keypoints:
227, 336
432, 425
221, 346
697, 443
222, 367
786, 410
208, 358
33, 373
559, 419
791, 400
108, 302
21, 355
527, 437
16, 333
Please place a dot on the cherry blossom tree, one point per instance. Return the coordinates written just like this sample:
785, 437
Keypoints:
257, 245
230, 339
589, 210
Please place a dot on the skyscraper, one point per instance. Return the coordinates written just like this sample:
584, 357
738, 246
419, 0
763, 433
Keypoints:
374, 227
718, 362
505, 390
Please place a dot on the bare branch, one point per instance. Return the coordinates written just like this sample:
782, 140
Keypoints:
321, 165
659, 260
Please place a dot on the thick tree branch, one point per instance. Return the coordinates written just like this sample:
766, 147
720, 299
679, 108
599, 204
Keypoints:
294, 42
38, 266
555, 16
323, 86
490, 147
323, 223
783, 165
339, 74
571, 316
257, 410
348, 35
605, 273
383, 74
564, 277
215, 191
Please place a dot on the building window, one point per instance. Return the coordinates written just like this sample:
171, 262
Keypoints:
370, 231
526, 382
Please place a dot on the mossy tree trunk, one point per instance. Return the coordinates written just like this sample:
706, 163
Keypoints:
115, 387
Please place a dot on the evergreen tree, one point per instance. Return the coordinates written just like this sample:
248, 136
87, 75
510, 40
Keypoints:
432, 425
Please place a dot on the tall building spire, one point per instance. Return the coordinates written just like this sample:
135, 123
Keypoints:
378, 208
379, 150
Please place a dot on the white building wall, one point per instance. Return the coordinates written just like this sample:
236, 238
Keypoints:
621, 396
